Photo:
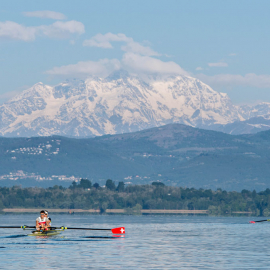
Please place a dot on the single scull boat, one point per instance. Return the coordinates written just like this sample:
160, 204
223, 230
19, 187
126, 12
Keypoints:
58, 230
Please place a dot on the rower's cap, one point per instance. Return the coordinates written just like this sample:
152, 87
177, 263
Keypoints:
46, 212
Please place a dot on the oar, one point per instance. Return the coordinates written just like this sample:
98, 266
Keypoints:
259, 221
17, 227
119, 230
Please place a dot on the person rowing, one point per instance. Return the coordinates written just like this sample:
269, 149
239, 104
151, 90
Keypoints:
49, 224
41, 221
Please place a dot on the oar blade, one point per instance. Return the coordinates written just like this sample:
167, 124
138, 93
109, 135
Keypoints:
259, 221
119, 230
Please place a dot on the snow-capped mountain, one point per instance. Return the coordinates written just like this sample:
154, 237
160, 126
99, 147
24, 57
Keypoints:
252, 125
117, 104
250, 111
256, 119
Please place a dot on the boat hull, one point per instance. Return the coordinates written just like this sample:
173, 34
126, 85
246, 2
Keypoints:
44, 233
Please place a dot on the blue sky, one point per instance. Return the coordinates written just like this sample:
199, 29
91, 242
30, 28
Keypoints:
223, 43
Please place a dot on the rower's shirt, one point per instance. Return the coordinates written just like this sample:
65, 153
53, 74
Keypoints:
41, 220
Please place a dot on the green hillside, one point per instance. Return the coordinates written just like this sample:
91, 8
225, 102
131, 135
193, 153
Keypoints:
175, 154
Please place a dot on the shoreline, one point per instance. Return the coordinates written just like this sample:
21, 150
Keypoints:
112, 211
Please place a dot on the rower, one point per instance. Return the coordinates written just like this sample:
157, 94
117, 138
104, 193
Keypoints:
41, 221
49, 224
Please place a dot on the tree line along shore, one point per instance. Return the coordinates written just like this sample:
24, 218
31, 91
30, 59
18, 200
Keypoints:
139, 199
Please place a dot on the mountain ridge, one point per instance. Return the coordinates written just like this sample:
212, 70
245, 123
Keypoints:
175, 154
124, 102
117, 104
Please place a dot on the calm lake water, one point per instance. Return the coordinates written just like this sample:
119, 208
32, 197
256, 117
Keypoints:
151, 242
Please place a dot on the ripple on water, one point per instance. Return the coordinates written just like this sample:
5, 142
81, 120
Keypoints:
151, 242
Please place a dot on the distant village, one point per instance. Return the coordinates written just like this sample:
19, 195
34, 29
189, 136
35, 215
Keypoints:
20, 175
24, 175
39, 150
